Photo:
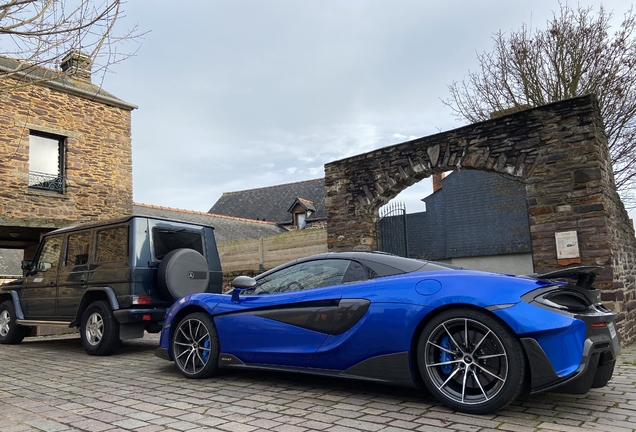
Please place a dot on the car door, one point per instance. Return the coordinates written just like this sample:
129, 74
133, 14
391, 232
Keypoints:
40, 284
282, 322
74, 272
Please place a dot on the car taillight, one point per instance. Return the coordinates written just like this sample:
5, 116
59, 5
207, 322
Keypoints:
141, 300
146, 317
599, 324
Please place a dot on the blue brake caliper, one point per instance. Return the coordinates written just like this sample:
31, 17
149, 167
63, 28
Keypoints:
445, 356
205, 355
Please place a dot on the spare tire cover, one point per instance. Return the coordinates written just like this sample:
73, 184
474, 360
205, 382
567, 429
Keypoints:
183, 272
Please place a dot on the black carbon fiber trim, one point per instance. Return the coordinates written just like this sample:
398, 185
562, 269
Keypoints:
331, 317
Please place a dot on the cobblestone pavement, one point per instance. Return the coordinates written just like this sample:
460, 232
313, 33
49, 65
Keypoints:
50, 384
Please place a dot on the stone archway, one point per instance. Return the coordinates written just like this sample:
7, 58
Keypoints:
559, 151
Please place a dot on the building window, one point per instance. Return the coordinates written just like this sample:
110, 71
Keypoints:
46, 161
300, 220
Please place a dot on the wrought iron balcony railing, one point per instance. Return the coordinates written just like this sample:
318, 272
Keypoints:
46, 181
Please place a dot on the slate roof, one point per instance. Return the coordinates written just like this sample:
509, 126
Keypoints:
225, 227
60, 81
273, 202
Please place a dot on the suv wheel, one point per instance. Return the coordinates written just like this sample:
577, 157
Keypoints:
99, 329
10, 332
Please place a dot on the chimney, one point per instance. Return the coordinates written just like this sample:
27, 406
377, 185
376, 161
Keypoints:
437, 181
77, 64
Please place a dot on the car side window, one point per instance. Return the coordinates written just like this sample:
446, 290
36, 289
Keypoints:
50, 256
304, 276
78, 248
112, 245
357, 273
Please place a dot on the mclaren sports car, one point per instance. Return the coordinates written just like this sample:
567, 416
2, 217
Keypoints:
475, 340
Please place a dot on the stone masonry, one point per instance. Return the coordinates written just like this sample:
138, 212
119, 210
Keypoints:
97, 154
559, 151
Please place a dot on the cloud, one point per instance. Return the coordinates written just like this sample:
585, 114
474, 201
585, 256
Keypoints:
242, 94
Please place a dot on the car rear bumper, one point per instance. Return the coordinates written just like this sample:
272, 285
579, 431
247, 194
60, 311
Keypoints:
600, 350
127, 316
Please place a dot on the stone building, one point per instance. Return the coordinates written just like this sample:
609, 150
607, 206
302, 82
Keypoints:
65, 151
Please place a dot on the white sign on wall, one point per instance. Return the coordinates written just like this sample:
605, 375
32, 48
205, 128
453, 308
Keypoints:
567, 245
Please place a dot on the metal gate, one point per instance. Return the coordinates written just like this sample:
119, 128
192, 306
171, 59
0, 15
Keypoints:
390, 230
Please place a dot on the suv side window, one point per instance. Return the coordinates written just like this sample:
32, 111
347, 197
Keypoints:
112, 245
78, 248
50, 256
166, 240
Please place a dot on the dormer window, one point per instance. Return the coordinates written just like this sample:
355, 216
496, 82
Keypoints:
301, 210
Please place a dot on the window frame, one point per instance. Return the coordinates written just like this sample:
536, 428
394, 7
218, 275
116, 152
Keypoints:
37, 180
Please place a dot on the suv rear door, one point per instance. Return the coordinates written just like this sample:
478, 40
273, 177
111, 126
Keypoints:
74, 272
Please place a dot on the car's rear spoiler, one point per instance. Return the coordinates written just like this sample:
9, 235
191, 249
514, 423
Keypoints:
584, 275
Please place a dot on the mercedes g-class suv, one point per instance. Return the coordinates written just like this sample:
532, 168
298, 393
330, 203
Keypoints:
114, 280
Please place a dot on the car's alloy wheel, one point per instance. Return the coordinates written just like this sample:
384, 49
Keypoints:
94, 329
471, 362
99, 329
10, 332
195, 346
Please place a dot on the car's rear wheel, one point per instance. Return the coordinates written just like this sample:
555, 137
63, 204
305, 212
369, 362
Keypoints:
195, 346
470, 361
10, 332
99, 330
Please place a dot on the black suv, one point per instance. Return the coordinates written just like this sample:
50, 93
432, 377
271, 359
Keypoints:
112, 279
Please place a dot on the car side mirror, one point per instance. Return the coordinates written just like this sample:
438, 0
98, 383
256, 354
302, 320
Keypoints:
44, 266
26, 264
242, 283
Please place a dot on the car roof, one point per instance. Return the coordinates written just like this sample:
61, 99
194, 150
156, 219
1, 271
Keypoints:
94, 224
383, 263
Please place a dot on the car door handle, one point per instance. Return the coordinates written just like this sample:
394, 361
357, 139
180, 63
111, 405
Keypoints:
52, 284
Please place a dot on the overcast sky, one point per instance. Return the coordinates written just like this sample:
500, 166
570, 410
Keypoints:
242, 94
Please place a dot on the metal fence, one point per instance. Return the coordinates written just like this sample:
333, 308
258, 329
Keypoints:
391, 229
52, 182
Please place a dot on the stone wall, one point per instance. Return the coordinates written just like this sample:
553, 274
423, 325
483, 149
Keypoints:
559, 151
97, 158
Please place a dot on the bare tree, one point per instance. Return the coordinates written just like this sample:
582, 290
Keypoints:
39, 33
573, 56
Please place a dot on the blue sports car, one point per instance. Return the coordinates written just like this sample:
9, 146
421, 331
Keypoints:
476, 340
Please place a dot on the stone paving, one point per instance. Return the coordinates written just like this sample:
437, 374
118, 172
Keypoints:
50, 384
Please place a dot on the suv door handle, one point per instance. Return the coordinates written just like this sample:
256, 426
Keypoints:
52, 284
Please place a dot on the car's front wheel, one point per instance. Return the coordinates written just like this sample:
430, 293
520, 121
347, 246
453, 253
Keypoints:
99, 329
470, 361
10, 332
195, 346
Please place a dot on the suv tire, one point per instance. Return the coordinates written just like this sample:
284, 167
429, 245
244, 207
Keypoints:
10, 332
99, 329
